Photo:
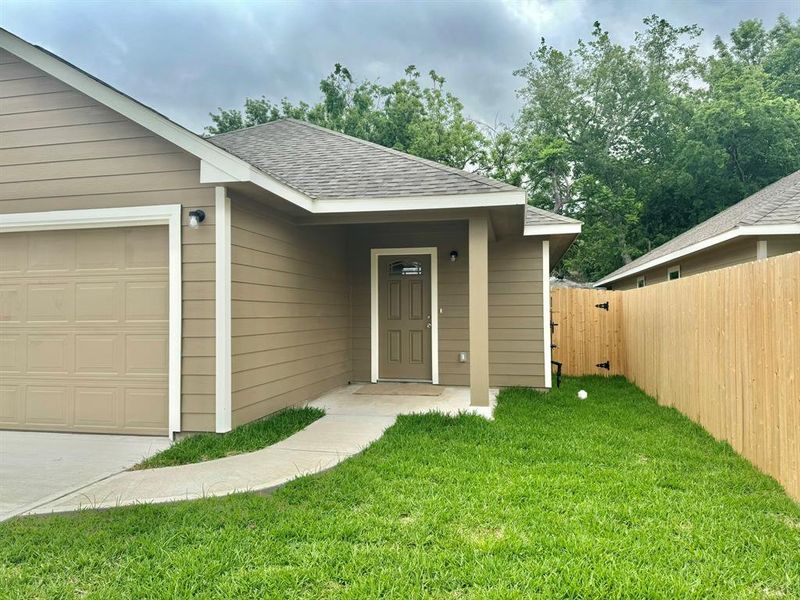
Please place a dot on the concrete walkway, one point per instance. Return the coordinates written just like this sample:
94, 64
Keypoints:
350, 424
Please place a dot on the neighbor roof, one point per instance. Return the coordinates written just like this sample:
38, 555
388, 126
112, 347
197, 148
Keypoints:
773, 209
327, 165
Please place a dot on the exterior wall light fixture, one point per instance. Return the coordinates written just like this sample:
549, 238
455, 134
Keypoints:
196, 217
453, 255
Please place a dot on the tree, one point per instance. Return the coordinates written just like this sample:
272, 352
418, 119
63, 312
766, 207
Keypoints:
645, 141
595, 125
427, 121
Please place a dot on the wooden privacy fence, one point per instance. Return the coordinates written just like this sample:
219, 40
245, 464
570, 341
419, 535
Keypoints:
722, 347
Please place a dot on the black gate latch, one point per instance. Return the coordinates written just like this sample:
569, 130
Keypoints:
603, 305
604, 365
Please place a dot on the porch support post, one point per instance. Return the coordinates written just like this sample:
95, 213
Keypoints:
479, 311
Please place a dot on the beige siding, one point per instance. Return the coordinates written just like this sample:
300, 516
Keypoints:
290, 311
516, 347
516, 321
59, 150
782, 244
724, 255
453, 297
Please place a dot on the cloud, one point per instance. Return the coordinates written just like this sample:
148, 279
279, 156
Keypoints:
186, 59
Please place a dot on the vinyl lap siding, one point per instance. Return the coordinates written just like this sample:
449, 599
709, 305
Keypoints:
59, 150
516, 322
453, 291
516, 346
729, 254
289, 311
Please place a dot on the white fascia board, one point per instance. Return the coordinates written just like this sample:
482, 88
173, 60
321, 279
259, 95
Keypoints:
211, 174
737, 232
787, 229
555, 229
354, 205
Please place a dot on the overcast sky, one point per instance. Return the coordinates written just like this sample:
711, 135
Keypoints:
185, 58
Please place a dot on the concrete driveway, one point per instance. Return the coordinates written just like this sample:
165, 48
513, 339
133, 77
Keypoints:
36, 468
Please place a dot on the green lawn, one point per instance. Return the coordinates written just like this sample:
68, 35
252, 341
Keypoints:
247, 438
611, 497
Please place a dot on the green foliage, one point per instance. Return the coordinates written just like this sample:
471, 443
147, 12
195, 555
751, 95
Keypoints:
645, 141
609, 497
426, 121
245, 438
639, 141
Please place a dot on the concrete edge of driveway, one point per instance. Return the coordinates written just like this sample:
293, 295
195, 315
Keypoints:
31, 508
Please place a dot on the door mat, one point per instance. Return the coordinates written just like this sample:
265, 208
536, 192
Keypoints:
400, 389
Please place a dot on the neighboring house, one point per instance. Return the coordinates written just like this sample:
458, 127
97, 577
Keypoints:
762, 225
153, 281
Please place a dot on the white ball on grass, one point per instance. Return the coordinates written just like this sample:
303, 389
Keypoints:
583, 395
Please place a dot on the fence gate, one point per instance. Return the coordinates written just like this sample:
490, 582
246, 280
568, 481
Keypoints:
586, 336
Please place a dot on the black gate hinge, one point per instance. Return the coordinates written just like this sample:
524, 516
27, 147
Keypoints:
603, 305
604, 365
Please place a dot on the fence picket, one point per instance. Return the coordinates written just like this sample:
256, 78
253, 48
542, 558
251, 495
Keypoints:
722, 347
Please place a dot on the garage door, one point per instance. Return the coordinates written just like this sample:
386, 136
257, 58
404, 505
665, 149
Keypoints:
84, 330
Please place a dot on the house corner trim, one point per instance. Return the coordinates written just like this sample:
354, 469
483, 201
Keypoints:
548, 349
222, 213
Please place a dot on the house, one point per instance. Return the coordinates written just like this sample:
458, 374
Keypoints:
155, 282
762, 225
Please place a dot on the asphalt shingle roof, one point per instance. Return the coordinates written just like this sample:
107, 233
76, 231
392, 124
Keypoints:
776, 204
539, 216
325, 164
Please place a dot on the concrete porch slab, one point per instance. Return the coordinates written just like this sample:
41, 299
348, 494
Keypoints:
452, 401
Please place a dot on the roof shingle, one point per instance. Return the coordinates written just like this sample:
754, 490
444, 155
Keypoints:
325, 164
539, 216
776, 204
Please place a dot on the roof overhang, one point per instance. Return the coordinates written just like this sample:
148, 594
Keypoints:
736, 232
554, 229
561, 236
217, 166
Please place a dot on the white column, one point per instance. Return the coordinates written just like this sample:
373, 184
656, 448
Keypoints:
548, 367
222, 214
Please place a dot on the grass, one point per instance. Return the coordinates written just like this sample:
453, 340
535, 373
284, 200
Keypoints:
611, 497
246, 438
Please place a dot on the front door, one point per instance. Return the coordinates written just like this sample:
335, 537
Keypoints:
404, 317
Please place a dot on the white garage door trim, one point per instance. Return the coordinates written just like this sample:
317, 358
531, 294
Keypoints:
129, 216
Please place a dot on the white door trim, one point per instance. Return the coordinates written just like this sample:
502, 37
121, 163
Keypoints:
374, 337
130, 216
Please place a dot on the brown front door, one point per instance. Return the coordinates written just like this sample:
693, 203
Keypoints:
404, 317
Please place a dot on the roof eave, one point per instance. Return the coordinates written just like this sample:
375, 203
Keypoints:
553, 229
382, 204
736, 232
219, 166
